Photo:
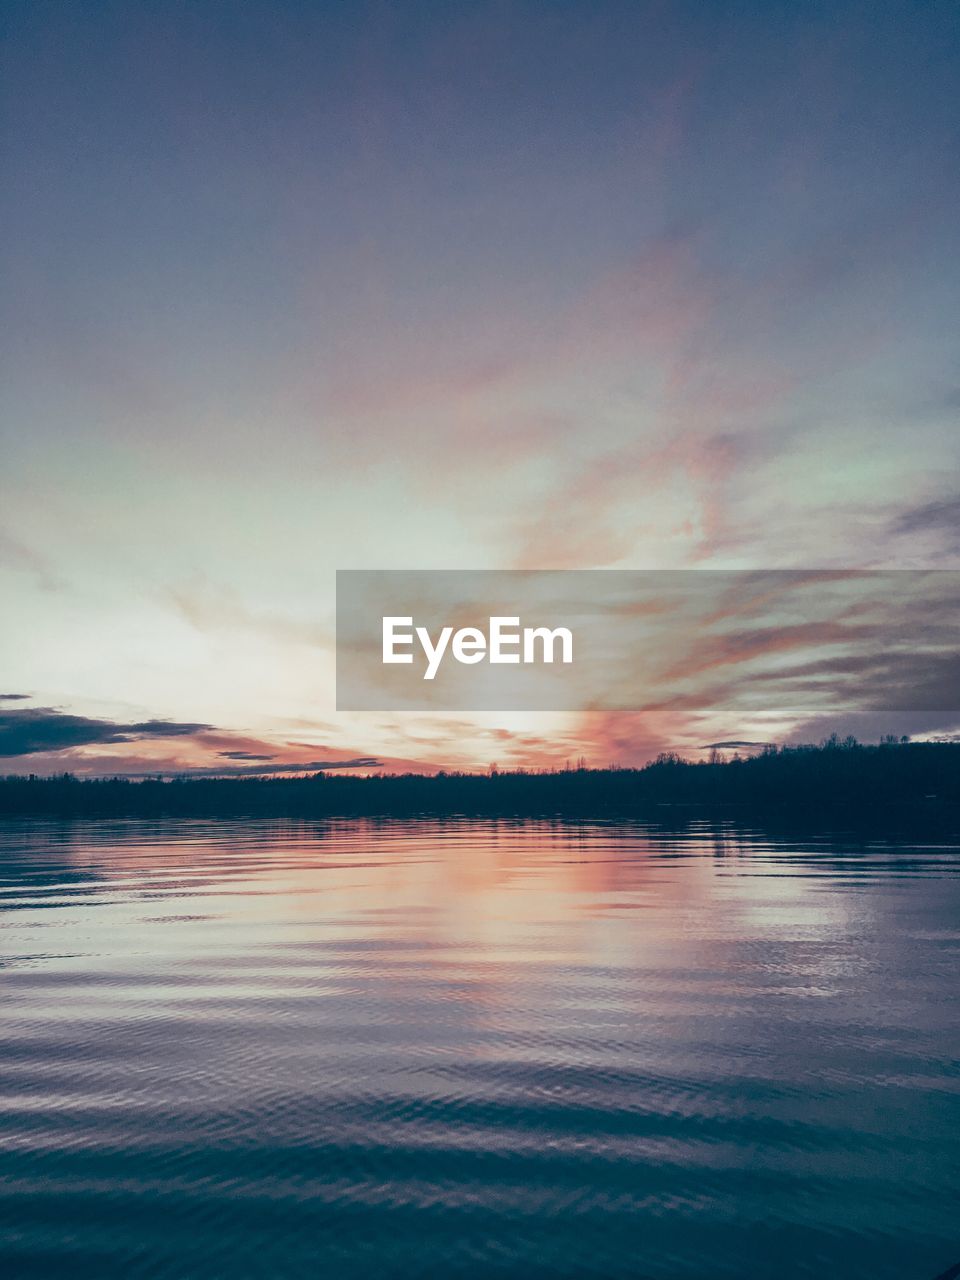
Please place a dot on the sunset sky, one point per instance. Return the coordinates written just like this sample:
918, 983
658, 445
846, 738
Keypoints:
294, 287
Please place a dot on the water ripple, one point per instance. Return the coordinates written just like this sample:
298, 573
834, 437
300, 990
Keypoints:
516, 1049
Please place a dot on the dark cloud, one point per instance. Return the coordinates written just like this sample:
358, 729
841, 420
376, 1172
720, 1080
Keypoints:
261, 770
734, 742
898, 681
939, 517
36, 729
160, 729
47, 731
14, 697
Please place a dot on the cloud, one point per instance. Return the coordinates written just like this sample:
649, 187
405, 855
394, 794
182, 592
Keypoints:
940, 518
15, 554
734, 742
209, 607
260, 770
55, 740
14, 697
159, 729
243, 755
38, 729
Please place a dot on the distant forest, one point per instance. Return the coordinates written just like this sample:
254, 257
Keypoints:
839, 773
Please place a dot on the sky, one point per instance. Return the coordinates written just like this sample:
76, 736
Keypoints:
296, 287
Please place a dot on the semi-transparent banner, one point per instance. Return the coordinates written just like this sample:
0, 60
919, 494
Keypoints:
785, 640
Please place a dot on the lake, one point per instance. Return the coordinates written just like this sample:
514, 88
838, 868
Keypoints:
339, 1048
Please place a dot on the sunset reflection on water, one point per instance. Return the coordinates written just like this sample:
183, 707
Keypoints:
499, 1048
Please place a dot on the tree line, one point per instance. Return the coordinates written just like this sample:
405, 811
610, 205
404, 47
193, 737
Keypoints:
836, 773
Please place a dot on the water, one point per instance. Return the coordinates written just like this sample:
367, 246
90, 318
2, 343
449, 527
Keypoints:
476, 1049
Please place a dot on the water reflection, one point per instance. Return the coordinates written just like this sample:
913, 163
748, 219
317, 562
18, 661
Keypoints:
477, 1048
